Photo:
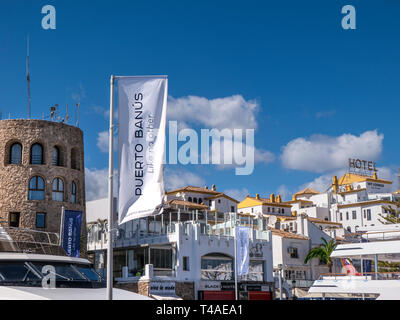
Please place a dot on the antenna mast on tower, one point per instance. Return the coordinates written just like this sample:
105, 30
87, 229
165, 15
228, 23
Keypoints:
28, 79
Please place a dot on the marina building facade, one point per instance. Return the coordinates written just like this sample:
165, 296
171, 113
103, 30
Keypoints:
188, 251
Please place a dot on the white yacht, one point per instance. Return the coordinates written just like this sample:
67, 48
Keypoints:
21, 271
375, 244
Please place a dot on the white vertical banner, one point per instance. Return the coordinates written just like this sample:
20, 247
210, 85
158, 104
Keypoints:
142, 112
242, 250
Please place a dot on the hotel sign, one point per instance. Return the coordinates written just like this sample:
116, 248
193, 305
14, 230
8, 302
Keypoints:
362, 166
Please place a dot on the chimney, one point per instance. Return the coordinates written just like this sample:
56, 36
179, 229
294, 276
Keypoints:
214, 188
375, 175
335, 184
294, 197
258, 196
301, 218
272, 198
206, 187
278, 199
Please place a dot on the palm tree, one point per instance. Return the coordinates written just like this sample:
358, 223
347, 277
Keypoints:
323, 252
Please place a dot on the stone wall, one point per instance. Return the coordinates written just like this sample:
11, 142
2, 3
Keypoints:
129, 286
185, 290
14, 178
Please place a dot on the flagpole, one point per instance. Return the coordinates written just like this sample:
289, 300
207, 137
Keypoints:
110, 195
235, 250
61, 226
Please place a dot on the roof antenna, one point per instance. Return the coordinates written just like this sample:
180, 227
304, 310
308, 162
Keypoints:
28, 78
66, 114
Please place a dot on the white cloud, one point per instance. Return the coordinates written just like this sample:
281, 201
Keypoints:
177, 178
96, 182
238, 194
238, 153
263, 156
229, 112
103, 141
78, 93
284, 192
325, 114
323, 182
391, 174
321, 153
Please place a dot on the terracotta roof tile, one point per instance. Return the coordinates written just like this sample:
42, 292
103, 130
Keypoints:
194, 189
307, 191
186, 203
285, 234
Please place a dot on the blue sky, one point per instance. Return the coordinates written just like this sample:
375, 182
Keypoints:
337, 89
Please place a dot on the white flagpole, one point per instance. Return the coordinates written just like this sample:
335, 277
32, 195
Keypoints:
110, 196
235, 250
62, 226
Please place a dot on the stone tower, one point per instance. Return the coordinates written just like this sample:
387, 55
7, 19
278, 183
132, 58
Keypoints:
41, 171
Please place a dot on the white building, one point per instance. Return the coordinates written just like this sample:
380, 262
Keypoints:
292, 242
362, 201
264, 207
297, 226
191, 249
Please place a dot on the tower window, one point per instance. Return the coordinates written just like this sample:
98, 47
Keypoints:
74, 159
58, 190
16, 154
40, 220
36, 188
14, 219
56, 156
73, 192
37, 154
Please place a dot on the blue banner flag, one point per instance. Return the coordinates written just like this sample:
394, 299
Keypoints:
242, 250
71, 235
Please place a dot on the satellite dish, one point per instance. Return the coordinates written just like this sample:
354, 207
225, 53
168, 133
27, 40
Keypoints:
272, 220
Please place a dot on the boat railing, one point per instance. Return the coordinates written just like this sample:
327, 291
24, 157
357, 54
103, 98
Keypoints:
361, 276
30, 241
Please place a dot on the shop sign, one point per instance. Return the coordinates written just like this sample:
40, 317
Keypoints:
209, 286
162, 288
230, 286
252, 287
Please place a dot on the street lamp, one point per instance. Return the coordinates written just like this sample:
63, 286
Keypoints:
280, 267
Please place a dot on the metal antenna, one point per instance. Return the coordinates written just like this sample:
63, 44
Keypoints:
66, 114
28, 78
